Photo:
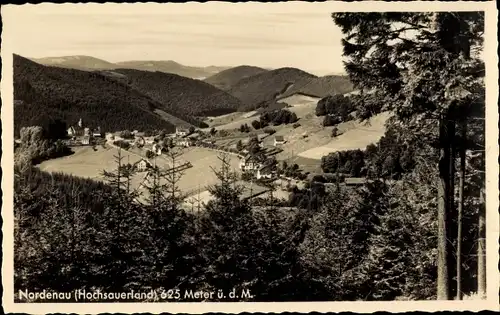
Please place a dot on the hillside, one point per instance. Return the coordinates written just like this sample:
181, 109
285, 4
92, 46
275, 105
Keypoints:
266, 86
227, 78
180, 95
270, 86
44, 93
89, 63
320, 87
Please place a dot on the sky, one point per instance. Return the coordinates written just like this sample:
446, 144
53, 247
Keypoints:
197, 34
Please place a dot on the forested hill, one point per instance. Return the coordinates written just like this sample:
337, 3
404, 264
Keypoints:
180, 95
228, 78
271, 85
44, 92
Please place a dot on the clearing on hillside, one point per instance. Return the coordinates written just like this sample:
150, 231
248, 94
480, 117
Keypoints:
358, 136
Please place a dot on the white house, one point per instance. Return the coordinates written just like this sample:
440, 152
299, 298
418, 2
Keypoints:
71, 131
143, 165
86, 140
264, 172
355, 181
278, 140
97, 132
184, 143
181, 132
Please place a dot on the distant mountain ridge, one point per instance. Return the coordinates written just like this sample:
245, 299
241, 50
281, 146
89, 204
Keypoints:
89, 63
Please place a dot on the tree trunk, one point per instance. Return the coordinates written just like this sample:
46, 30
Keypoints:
443, 200
481, 250
451, 209
460, 210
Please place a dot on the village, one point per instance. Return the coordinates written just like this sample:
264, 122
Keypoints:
253, 155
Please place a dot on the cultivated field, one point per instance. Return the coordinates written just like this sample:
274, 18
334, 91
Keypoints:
86, 162
201, 174
357, 137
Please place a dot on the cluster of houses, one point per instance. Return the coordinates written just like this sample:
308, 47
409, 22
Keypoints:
249, 163
84, 135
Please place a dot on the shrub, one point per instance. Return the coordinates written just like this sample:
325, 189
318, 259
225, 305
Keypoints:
256, 124
126, 134
150, 154
122, 144
203, 124
337, 105
278, 117
244, 128
223, 133
335, 131
330, 120
269, 131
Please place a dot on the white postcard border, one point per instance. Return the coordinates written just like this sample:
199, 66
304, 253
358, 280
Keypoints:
492, 216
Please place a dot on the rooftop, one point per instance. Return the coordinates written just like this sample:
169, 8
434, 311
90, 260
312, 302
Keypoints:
355, 180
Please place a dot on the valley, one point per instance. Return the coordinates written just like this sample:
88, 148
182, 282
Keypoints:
182, 102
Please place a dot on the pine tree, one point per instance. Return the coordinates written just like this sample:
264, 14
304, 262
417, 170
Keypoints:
401, 249
168, 229
228, 226
434, 74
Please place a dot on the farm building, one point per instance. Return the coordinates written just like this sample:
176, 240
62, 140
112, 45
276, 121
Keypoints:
249, 163
278, 140
181, 132
264, 172
97, 132
355, 181
76, 131
142, 165
185, 143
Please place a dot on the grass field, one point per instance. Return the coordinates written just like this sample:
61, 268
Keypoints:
86, 162
358, 136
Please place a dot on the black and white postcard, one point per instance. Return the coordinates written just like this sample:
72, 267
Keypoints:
290, 156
